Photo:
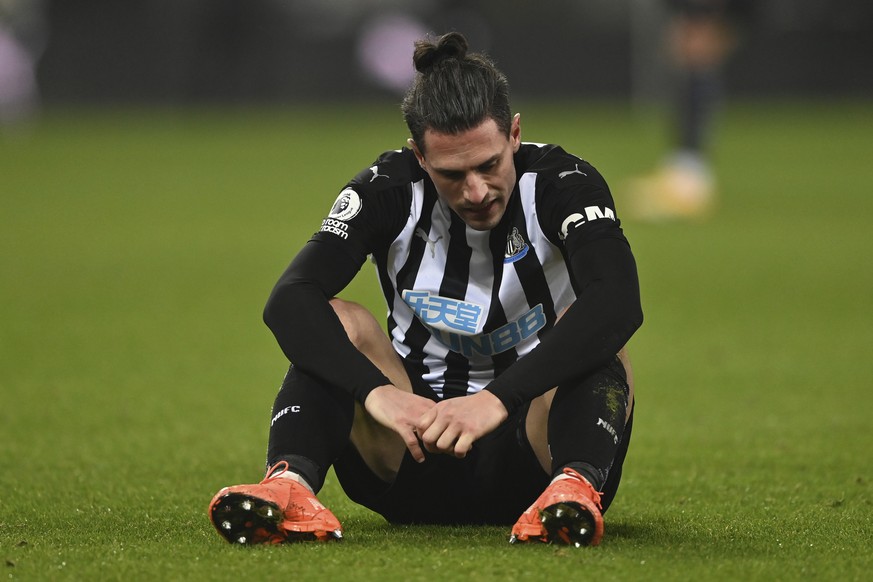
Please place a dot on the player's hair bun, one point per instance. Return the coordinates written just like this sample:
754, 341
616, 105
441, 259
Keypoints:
449, 46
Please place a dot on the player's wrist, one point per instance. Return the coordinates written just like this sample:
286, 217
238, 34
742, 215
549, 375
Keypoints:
494, 403
377, 392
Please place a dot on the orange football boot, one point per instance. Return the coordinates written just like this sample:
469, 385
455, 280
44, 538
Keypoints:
568, 512
274, 511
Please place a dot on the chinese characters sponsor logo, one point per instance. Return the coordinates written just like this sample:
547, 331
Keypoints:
455, 323
444, 313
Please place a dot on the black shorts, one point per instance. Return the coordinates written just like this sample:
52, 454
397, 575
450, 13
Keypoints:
494, 484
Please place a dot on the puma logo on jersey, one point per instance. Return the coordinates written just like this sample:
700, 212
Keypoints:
419, 232
576, 219
568, 172
376, 174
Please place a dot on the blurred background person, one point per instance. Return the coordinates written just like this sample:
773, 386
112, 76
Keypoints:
22, 40
701, 35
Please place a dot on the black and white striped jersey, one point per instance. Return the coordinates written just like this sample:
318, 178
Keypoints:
465, 305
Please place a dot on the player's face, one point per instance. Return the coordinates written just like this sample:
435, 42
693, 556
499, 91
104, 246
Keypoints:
473, 171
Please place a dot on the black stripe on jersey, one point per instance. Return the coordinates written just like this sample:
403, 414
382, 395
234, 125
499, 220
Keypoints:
454, 285
496, 315
534, 284
381, 259
387, 288
457, 273
406, 274
417, 335
417, 245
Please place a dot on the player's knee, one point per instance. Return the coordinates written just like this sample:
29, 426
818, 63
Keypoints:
628, 369
360, 325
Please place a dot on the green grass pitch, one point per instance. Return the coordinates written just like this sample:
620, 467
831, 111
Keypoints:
137, 249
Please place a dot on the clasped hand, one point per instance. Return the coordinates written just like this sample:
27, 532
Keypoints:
450, 426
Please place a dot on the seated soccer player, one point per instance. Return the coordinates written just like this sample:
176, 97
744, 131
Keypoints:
502, 393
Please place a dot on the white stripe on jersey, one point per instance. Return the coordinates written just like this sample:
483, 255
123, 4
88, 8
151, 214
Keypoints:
556, 271
515, 332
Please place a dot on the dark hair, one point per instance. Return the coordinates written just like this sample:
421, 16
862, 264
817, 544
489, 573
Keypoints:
454, 91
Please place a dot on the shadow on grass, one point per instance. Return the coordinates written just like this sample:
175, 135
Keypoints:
374, 530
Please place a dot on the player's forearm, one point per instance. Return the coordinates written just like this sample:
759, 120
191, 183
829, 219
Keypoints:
308, 330
312, 337
605, 315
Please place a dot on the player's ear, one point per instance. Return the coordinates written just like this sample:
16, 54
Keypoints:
515, 132
418, 155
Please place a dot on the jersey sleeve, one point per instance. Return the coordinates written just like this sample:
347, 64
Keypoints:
597, 325
306, 327
576, 204
371, 209
577, 214
364, 219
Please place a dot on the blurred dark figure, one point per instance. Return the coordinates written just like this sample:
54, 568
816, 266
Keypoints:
701, 36
22, 40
